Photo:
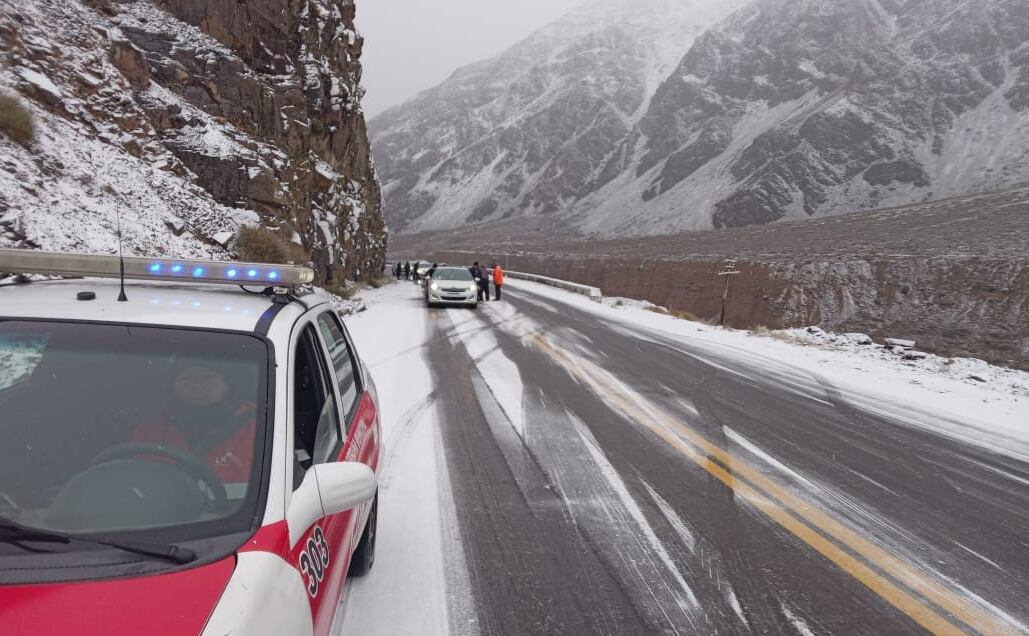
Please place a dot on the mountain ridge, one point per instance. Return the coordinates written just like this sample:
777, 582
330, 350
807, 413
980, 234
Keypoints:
482, 143
783, 109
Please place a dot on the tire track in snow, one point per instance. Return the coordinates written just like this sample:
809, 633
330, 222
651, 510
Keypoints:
592, 492
709, 559
776, 502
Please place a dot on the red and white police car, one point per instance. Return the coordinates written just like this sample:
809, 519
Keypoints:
192, 459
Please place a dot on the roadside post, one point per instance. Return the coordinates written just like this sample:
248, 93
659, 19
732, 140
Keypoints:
730, 270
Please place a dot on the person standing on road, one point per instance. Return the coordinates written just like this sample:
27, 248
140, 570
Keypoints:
407, 270
484, 275
477, 277
498, 281
432, 270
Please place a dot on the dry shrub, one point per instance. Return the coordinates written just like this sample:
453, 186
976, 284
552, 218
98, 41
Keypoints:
783, 336
261, 245
685, 315
343, 292
297, 253
16, 120
676, 313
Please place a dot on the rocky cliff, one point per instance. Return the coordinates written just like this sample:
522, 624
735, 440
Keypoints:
184, 120
785, 109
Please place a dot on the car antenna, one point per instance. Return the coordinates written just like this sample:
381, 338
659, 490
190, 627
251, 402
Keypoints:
121, 263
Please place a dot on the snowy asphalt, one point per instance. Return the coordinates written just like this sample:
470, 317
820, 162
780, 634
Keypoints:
603, 479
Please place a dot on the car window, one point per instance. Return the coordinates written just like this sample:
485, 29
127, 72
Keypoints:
342, 360
317, 437
453, 273
161, 428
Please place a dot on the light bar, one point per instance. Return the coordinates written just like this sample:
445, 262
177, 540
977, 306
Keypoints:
22, 261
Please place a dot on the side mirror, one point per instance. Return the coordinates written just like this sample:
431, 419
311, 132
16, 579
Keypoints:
345, 485
328, 489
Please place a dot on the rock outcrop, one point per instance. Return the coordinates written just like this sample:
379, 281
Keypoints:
211, 113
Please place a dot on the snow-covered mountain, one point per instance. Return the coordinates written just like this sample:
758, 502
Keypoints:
784, 109
540, 126
181, 121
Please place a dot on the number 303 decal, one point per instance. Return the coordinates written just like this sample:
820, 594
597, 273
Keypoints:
314, 561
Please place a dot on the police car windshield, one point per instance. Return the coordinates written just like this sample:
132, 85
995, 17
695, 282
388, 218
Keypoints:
120, 429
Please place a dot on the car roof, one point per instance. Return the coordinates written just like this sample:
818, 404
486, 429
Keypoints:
149, 303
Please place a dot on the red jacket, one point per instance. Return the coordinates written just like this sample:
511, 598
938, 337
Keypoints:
498, 275
231, 459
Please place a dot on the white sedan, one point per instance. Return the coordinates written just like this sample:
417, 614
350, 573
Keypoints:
451, 286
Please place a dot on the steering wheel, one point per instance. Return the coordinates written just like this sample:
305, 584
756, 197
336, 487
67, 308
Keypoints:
184, 461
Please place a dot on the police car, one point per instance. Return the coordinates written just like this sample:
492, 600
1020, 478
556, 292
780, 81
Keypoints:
178, 455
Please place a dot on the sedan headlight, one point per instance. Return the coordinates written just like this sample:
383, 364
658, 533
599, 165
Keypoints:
434, 287
472, 287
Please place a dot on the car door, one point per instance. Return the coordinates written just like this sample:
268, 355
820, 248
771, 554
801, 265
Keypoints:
359, 421
322, 555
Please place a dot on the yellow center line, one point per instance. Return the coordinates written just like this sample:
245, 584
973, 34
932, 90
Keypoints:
961, 608
900, 599
785, 508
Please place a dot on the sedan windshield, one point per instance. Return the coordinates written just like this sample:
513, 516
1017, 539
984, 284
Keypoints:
452, 273
117, 429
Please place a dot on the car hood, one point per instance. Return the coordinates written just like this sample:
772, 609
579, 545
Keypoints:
164, 604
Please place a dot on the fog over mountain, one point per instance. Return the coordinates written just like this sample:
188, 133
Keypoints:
659, 116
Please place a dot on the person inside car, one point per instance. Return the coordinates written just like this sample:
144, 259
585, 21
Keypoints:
205, 420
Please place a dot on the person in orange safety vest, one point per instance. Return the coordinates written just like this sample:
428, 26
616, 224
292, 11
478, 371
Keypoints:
498, 281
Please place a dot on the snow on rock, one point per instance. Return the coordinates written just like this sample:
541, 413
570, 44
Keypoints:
143, 117
175, 224
858, 338
42, 85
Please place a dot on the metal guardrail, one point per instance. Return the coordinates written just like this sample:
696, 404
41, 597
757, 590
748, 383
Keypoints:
593, 293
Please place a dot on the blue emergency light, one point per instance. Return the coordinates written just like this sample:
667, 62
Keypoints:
102, 266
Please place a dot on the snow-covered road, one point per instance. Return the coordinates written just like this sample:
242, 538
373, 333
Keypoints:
560, 466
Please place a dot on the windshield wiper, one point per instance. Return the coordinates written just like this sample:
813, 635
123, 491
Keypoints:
14, 532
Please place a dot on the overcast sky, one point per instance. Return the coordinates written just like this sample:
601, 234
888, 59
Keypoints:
411, 45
